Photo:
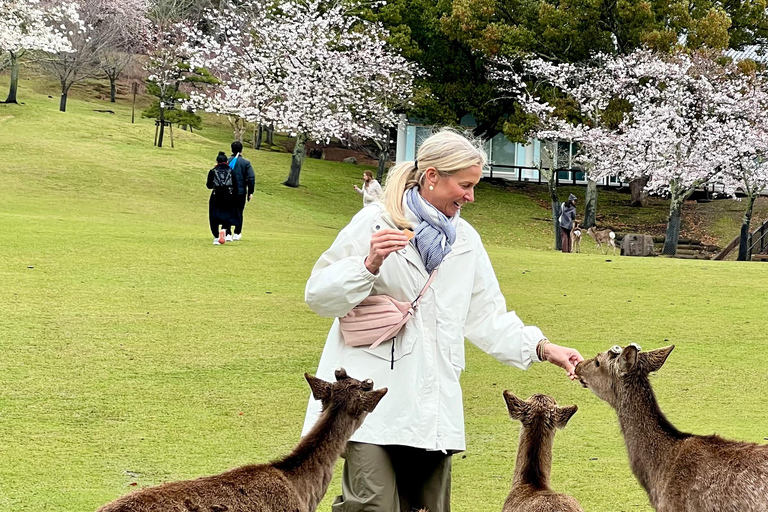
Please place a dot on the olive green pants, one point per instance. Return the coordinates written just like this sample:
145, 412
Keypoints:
394, 479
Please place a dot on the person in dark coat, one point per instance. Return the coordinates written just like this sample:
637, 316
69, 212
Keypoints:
246, 182
567, 218
222, 209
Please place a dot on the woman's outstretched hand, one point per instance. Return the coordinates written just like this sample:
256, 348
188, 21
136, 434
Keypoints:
564, 357
383, 243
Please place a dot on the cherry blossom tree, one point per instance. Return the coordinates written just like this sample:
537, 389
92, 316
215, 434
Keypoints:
675, 119
32, 25
123, 23
746, 148
170, 66
313, 69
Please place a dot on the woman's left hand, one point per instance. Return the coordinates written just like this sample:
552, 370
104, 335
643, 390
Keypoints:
564, 357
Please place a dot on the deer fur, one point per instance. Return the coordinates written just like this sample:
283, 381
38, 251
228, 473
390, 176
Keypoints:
295, 483
680, 472
530, 492
576, 233
604, 236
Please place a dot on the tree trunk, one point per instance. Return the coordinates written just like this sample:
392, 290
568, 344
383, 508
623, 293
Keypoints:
112, 88
299, 152
551, 177
382, 164
14, 79
590, 205
162, 128
744, 237
673, 225
63, 102
258, 133
238, 125
271, 135
638, 192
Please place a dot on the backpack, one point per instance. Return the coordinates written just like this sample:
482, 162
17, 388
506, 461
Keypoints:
222, 180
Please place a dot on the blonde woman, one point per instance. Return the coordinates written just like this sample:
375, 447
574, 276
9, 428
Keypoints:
401, 456
371, 190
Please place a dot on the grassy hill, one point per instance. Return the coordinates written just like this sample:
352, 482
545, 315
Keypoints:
135, 352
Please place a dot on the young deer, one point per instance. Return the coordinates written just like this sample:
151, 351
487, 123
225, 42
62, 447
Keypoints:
295, 483
576, 233
604, 236
680, 472
530, 492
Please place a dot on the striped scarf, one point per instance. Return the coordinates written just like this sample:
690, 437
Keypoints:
435, 232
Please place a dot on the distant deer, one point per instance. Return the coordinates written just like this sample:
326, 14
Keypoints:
530, 492
604, 236
295, 483
576, 237
680, 472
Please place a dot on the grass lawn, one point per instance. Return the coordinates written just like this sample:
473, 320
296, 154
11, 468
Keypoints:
134, 352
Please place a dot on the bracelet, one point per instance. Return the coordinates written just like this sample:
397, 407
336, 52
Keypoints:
540, 349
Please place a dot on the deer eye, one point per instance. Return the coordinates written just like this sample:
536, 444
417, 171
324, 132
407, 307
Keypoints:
597, 363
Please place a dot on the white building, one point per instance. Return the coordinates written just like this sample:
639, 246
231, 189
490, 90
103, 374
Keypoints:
507, 160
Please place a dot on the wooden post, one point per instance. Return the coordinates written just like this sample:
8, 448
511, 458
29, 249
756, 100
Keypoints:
134, 90
157, 125
170, 129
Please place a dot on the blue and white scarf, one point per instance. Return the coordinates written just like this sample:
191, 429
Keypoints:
435, 232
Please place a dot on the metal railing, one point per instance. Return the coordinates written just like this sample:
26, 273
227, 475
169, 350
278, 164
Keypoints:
515, 173
758, 240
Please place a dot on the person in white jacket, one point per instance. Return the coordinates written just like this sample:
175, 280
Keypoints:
371, 190
400, 458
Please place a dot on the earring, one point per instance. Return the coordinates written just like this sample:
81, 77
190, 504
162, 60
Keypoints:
431, 187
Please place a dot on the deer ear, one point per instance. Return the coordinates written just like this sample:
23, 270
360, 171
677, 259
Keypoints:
517, 408
373, 398
563, 414
321, 390
655, 359
628, 359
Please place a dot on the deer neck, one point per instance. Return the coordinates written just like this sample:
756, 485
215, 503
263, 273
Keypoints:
648, 435
310, 466
534, 456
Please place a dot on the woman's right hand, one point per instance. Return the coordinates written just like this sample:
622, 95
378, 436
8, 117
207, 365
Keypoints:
383, 243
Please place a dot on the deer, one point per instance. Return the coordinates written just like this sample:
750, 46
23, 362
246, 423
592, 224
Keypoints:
680, 472
530, 492
604, 236
576, 237
295, 483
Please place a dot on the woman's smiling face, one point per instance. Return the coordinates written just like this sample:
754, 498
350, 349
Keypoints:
450, 193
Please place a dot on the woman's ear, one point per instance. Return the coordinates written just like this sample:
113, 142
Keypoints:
430, 176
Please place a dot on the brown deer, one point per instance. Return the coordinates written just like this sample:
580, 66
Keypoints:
604, 236
295, 483
530, 492
576, 233
680, 472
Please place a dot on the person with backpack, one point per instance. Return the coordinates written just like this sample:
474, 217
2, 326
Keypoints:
245, 182
567, 218
222, 209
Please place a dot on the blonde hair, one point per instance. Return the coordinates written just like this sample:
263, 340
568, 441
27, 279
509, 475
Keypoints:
447, 151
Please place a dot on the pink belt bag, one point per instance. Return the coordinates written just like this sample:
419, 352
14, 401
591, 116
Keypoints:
378, 318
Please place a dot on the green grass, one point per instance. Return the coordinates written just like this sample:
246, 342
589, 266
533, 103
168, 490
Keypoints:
135, 352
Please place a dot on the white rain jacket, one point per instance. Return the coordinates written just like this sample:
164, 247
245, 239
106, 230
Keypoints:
371, 193
423, 407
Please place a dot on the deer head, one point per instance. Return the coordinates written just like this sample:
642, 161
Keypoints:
348, 395
541, 409
609, 373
